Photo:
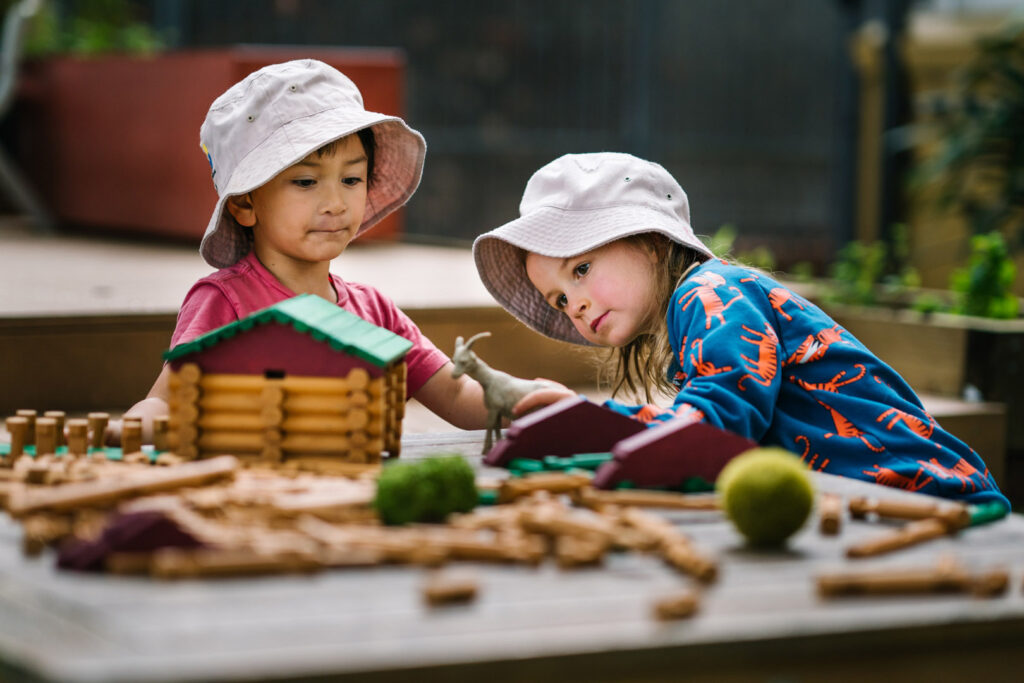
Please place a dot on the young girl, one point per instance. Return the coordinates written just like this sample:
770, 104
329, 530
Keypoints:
603, 254
301, 169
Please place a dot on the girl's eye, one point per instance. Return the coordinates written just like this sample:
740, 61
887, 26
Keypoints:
582, 269
561, 301
354, 180
304, 182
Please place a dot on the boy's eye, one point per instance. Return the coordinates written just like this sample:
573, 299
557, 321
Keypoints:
561, 301
582, 269
354, 180
304, 182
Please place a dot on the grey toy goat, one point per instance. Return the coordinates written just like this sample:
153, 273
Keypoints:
501, 390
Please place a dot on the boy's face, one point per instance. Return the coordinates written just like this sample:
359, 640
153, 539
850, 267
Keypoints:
608, 293
309, 212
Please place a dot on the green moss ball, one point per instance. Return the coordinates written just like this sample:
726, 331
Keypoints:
767, 494
425, 490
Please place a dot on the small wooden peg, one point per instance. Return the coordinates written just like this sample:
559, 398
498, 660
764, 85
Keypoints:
17, 427
131, 437
59, 417
78, 436
30, 415
160, 429
830, 513
97, 429
46, 436
677, 606
913, 533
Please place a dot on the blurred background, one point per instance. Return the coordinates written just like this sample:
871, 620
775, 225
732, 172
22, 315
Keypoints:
784, 119
870, 152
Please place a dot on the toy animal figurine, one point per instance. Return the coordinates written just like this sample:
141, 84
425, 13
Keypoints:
501, 390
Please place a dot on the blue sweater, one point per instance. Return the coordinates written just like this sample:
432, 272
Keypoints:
753, 357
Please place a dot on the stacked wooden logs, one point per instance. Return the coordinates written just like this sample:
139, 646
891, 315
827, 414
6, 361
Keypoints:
356, 417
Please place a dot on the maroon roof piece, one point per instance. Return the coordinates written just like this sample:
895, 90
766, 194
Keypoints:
670, 453
573, 425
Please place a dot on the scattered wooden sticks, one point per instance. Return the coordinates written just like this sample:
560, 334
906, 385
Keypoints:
954, 515
947, 576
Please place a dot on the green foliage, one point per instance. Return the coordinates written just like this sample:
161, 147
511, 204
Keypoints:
869, 274
91, 27
979, 167
426, 490
984, 286
723, 241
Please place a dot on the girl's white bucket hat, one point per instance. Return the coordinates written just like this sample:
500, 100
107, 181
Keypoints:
572, 205
278, 115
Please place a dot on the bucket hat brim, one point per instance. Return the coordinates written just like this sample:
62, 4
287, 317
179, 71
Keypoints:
398, 167
561, 233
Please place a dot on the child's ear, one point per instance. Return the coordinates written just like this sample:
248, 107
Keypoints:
240, 206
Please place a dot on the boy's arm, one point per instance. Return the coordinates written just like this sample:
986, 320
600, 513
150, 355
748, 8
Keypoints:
154, 405
460, 402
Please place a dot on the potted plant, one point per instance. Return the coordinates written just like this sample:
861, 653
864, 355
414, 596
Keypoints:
108, 120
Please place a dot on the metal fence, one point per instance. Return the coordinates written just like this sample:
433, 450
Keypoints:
746, 102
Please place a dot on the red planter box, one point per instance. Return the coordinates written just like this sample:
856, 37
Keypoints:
113, 142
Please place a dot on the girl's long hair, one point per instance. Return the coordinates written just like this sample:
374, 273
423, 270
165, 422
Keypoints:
642, 363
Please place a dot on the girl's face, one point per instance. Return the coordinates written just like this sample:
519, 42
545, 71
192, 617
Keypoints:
608, 293
309, 212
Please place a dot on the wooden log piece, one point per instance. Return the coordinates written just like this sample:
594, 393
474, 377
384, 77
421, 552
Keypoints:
445, 589
78, 436
326, 386
315, 424
30, 415
955, 515
175, 563
358, 379
230, 422
677, 606
913, 533
17, 427
230, 441
314, 444
944, 578
231, 402
189, 373
105, 492
830, 513
554, 482
160, 427
131, 437
647, 498
46, 436
59, 417
315, 405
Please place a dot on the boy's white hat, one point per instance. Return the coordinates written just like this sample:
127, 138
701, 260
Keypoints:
576, 203
278, 115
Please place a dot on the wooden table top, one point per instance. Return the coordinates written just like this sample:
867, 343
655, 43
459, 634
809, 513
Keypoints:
762, 618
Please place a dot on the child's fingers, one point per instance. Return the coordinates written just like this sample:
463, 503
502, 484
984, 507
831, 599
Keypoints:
540, 398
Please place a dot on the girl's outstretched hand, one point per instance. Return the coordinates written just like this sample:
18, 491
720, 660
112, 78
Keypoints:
542, 397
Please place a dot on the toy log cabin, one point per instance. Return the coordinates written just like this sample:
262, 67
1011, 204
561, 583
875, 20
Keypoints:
301, 377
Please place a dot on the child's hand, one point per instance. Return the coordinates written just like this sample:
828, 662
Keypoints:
542, 397
112, 435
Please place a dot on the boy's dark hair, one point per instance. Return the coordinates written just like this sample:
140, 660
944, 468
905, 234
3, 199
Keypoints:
369, 147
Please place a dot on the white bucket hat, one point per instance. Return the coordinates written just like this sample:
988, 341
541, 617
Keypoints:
278, 115
574, 204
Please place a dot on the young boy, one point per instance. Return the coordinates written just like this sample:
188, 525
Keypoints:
301, 169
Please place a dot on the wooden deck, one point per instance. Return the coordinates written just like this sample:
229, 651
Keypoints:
762, 619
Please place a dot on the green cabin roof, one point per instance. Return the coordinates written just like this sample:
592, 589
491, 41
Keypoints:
320, 319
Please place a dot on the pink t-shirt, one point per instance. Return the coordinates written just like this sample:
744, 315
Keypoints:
233, 293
